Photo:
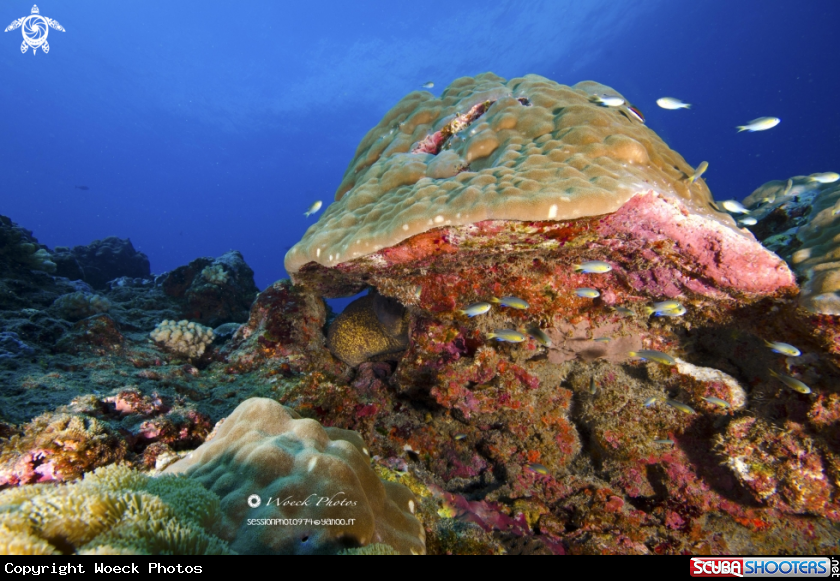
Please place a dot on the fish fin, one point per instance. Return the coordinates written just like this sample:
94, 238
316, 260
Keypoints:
578, 268
495, 300
687, 106
741, 128
649, 311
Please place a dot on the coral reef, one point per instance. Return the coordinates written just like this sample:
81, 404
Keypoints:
58, 446
102, 261
185, 338
113, 511
215, 274
212, 291
608, 423
19, 249
297, 469
78, 305
800, 219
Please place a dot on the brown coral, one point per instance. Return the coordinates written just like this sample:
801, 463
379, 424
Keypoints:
531, 150
293, 468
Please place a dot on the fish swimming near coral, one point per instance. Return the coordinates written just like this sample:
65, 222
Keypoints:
475, 309
512, 302
748, 221
663, 306
677, 312
783, 348
721, 403
680, 406
760, 124
701, 169
607, 100
592, 388
672, 104
537, 468
791, 382
651, 355
828, 177
507, 335
624, 311
587, 293
634, 111
428, 85
651, 401
313, 208
540, 336
593, 267
734, 207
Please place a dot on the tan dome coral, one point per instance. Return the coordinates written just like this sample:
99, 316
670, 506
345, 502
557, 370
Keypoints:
526, 149
268, 463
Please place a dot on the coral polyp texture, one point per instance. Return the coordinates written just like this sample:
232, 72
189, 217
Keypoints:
183, 337
489, 149
800, 219
113, 511
299, 470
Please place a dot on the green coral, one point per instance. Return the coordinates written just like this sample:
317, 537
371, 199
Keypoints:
114, 510
375, 549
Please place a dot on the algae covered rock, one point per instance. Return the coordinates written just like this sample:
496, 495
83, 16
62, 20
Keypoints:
800, 220
113, 511
265, 462
212, 291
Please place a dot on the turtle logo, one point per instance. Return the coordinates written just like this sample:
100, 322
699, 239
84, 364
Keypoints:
35, 29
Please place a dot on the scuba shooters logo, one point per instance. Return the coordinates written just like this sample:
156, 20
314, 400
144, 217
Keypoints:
763, 567
35, 29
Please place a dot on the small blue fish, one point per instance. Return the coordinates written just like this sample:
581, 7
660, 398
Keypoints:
512, 302
593, 267
651, 401
540, 336
783, 348
624, 311
651, 355
537, 468
587, 293
475, 309
459, 437
508, 335
313, 208
664, 442
718, 402
678, 405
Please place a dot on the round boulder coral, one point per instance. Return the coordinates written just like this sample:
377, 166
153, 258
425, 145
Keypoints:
489, 149
265, 462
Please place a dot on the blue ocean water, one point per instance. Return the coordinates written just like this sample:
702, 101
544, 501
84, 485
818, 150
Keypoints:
200, 127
